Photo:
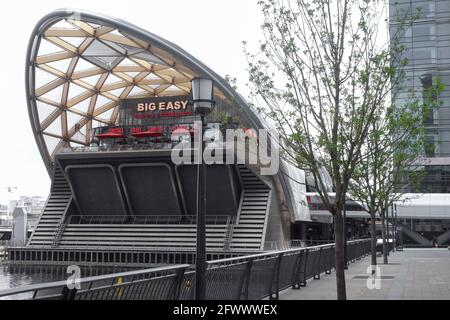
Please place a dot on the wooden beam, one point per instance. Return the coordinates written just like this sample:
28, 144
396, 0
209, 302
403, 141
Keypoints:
63, 32
81, 97
114, 86
87, 73
49, 120
130, 69
49, 86
51, 70
83, 26
119, 39
102, 30
72, 66
84, 85
106, 107
62, 44
54, 57
84, 45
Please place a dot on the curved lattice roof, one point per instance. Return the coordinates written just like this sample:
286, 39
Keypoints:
80, 65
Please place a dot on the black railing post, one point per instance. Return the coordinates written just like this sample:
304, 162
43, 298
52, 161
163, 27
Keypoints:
304, 268
177, 282
275, 283
68, 294
244, 281
296, 281
317, 266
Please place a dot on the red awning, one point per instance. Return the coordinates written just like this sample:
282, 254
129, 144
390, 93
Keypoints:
110, 135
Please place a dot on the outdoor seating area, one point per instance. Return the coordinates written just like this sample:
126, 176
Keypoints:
129, 135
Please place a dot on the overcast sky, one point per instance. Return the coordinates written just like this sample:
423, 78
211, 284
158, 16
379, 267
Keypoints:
211, 30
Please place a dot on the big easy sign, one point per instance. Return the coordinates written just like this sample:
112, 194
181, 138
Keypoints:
157, 107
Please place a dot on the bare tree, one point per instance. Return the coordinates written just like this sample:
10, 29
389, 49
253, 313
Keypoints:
390, 156
323, 76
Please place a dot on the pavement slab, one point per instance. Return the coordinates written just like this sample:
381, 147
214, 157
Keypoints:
412, 274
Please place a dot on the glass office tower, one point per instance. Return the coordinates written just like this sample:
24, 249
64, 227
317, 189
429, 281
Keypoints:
426, 39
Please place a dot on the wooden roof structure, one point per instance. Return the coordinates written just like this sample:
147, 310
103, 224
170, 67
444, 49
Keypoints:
81, 65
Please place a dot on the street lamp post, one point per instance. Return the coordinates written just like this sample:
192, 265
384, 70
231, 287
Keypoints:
202, 100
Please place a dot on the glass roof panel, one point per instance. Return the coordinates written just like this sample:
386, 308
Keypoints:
83, 65
147, 56
132, 74
117, 92
105, 62
127, 62
42, 77
55, 94
61, 65
55, 127
72, 119
113, 79
99, 49
106, 116
119, 47
101, 101
51, 143
83, 106
92, 80
137, 91
47, 47
44, 110
75, 90
133, 50
75, 41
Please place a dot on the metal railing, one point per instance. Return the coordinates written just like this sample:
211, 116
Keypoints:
249, 277
297, 243
147, 219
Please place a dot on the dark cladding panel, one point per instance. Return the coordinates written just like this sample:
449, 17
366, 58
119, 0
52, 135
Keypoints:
96, 189
150, 188
221, 195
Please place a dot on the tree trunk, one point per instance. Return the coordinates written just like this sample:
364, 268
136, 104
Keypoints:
373, 234
339, 256
383, 234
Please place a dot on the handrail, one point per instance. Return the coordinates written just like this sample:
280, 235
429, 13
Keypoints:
145, 219
90, 280
275, 271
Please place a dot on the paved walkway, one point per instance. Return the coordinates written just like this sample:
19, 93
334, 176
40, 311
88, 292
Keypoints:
420, 274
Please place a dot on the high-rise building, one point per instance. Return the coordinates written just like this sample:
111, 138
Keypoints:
426, 39
425, 35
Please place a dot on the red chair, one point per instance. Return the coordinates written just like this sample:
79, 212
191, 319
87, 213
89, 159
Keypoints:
150, 132
135, 130
112, 133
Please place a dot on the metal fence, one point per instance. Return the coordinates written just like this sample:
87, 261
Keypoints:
243, 278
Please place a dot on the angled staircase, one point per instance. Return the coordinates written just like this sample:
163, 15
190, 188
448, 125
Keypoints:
150, 236
443, 238
242, 233
248, 233
415, 236
51, 219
